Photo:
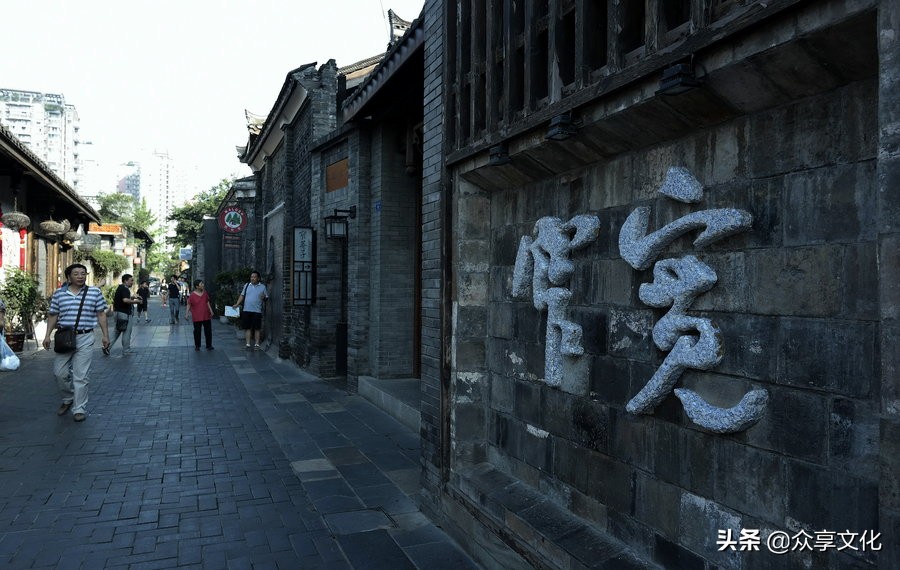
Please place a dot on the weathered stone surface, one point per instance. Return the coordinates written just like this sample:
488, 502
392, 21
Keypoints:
830, 204
835, 356
680, 184
854, 436
750, 480
639, 248
795, 423
798, 281
630, 333
699, 523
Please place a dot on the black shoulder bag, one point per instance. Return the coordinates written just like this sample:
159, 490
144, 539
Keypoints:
64, 341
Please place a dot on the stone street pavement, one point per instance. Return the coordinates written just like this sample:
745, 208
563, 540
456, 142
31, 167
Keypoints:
220, 459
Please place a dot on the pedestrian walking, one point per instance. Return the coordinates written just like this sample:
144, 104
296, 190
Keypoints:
200, 311
253, 296
143, 309
123, 305
174, 301
80, 308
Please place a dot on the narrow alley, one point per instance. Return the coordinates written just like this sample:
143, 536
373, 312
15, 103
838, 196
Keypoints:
220, 459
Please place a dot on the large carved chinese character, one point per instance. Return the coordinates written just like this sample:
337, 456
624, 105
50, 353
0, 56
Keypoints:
692, 342
543, 266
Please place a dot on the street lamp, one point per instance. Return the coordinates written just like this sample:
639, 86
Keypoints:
336, 224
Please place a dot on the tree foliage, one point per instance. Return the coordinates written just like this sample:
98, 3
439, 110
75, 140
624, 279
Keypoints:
189, 218
104, 263
123, 209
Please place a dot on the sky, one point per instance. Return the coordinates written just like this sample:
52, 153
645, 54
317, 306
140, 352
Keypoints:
177, 75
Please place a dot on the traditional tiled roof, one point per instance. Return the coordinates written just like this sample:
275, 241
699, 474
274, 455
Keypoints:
21, 153
398, 53
254, 122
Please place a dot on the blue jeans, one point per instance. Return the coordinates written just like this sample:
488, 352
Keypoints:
174, 308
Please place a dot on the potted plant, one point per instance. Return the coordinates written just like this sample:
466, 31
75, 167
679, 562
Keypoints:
24, 302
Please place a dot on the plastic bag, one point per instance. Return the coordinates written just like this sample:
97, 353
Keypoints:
8, 358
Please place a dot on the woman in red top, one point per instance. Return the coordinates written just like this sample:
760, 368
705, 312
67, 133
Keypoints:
200, 311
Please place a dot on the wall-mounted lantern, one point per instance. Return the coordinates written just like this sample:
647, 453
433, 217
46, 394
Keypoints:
561, 128
336, 225
677, 79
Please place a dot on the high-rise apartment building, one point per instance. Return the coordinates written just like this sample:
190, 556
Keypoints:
162, 184
48, 126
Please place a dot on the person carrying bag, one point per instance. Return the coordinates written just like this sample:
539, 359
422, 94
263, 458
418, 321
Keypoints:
64, 340
78, 309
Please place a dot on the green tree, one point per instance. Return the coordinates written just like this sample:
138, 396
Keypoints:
189, 218
123, 209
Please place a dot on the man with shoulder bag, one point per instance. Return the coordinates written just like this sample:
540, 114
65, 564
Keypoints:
75, 311
123, 305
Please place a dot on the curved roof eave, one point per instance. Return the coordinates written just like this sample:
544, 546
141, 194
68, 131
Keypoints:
12, 146
412, 40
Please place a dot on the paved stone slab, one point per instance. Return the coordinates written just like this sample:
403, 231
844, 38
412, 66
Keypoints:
220, 459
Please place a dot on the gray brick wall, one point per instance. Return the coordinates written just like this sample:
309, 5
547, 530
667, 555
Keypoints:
432, 245
802, 305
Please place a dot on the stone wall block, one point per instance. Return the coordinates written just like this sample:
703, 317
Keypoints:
889, 277
830, 204
657, 504
610, 184
837, 356
590, 421
749, 342
473, 255
630, 333
854, 436
887, 202
531, 324
528, 402
821, 499
472, 288
631, 439
611, 381
471, 321
795, 137
650, 171
860, 280
731, 292
798, 281
750, 480
685, 458
502, 394
557, 412
501, 284
669, 554
610, 481
593, 330
795, 423
471, 354
699, 523
474, 219
501, 321
505, 245
612, 281
890, 371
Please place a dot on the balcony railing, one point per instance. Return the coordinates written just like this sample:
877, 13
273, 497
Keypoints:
514, 64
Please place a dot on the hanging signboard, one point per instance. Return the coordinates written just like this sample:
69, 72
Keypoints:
232, 219
303, 286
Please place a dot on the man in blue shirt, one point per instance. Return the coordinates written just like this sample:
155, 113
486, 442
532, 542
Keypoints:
253, 296
71, 368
